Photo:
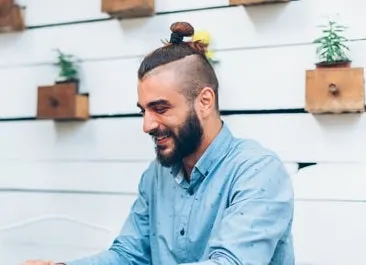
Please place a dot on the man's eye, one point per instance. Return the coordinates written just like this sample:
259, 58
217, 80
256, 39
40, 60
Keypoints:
160, 110
142, 112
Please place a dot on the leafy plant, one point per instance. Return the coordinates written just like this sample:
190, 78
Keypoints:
331, 46
68, 69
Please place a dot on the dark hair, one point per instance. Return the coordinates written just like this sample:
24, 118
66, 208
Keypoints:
196, 73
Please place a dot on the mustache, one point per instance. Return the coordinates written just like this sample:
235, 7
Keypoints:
159, 133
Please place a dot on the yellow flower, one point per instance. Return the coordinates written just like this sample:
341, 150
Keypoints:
203, 36
209, 54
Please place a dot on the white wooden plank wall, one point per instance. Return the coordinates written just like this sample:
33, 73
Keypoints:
77, 180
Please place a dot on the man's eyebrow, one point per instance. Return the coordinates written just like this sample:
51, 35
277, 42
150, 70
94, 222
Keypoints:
155, 103
139, 105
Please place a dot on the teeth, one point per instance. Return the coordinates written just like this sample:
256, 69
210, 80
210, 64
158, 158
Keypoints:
161, 137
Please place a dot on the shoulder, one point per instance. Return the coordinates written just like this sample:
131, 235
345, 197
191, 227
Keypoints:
244, 153
257, 168
147, 178
150, 176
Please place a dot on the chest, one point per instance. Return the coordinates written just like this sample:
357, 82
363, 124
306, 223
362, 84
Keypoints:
183, 217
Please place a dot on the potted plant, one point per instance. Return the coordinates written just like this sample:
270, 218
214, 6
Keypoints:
68, 68
62, 100
331, 48
205, 37
334, 86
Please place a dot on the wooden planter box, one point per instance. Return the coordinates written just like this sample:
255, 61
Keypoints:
255, 2
62, 101
11, 18
335, 90
128, 8
5, 6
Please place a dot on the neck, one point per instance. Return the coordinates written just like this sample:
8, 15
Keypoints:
210, 132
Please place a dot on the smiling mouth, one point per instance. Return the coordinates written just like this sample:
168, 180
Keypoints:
161, 139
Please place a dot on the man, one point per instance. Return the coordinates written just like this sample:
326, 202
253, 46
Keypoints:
209, 198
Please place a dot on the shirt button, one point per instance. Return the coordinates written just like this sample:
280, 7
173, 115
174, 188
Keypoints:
182, 232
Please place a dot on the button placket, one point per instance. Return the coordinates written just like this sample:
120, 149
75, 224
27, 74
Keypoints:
183, 222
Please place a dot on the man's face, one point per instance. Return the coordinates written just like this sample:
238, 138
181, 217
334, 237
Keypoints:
168, 118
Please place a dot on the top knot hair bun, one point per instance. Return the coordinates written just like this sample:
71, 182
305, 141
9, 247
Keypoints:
179, 31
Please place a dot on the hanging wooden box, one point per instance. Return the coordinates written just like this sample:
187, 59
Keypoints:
11, 18
5, 6
62, 102
335, 90
255, 2
128, 8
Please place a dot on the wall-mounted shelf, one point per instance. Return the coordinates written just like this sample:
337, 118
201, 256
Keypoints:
128, 8
335, 90
62, 101
11, 16
255, 2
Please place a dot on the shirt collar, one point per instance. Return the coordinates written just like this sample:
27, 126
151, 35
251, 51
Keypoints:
217, 149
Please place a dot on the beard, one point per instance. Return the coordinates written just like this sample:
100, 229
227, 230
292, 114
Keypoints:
185, 142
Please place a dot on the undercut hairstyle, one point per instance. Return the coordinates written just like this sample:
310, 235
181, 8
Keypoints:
188, 58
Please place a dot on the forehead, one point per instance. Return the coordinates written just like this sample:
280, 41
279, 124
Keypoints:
159, 85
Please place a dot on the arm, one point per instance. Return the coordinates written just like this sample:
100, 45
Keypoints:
132, 245
259, 214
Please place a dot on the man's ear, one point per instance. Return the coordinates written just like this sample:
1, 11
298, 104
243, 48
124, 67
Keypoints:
206, 101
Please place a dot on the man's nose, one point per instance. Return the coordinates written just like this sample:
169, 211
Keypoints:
150, 123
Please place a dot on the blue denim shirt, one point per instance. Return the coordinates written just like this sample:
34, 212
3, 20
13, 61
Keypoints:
237, 209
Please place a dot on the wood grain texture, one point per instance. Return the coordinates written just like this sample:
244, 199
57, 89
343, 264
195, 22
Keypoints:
128, 9
5, 7
335, 90
255, 2
61, 101
12, 20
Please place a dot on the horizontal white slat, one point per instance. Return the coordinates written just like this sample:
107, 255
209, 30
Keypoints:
113, 38
97, 176
329, 181
100, 139
66, 238
19, 94
271, 78
43, 12
93, 176
105, 211
239, 27
76, 225
304, 137
329, 233
295, 137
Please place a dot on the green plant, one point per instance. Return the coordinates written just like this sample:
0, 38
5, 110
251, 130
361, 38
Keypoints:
68, 69
331, 47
